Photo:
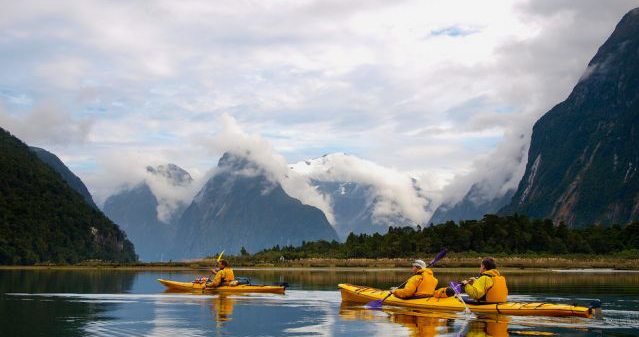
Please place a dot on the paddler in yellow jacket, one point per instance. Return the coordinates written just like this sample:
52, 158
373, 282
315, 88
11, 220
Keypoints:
223, 276
490, 286
421, 284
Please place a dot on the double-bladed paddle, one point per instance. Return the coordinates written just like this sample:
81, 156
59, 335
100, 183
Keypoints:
457, 289
378, 303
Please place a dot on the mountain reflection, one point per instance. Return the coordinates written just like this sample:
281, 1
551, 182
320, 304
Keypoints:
27, 316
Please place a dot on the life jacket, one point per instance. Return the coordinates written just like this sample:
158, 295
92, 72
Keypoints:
423, 282
427, 283
225, 276
498, 292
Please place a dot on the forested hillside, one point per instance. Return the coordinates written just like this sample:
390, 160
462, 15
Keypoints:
42, 219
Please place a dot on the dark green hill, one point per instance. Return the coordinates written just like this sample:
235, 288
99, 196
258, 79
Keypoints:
68, 176
584, 152
43, 219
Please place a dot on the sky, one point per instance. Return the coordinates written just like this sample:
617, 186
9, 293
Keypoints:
445, 91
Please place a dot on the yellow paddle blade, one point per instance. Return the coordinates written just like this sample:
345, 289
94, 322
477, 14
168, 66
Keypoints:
220, 257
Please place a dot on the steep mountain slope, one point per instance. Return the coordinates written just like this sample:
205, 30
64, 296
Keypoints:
43, 219
473, 206
240, 207
584, 152
136, 210
68, 176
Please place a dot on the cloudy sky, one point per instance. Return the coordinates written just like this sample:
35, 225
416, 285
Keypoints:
447, 90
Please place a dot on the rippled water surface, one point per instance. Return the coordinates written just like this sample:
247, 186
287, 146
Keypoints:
133, 303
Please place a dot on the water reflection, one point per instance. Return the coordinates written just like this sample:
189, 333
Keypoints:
24, 316
222, 308
429, 324
496, 326
107, 303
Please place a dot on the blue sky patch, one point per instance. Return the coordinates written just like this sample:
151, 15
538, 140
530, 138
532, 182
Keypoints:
454, 31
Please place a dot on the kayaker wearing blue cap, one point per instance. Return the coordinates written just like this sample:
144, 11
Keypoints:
223, 276
490, 286
421, 284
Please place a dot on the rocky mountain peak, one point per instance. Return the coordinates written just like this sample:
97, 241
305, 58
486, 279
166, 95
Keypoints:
174, 174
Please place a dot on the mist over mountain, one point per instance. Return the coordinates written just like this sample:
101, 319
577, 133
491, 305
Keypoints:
365, 197
473, 206
44, 219
241, 206
138, 211
584, 152
68, 176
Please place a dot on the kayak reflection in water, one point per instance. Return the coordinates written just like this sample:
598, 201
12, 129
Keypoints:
222, 308
223, 276
428, 323
422, 326
495, 326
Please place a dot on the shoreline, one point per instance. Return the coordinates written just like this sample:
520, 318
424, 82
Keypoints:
452, 263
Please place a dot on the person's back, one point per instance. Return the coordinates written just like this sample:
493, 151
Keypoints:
421, 284
224, 276
490, 286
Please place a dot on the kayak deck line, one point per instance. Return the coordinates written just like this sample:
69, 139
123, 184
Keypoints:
241, 288
362, 294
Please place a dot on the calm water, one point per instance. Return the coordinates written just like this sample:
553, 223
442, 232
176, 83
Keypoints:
128, 303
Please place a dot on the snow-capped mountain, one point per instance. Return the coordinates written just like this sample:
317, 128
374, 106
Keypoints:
365, 197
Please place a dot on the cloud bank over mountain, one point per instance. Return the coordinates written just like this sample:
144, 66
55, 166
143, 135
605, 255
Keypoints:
419, 86
232, 139
394, 192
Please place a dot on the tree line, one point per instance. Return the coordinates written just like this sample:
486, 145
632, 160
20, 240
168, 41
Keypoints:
516, 234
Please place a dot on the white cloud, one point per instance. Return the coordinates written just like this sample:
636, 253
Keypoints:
419, 86
394, 190
533, 75
46, 123
232, 139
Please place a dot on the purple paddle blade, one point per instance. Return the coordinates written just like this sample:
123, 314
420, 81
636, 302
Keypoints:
438, 257
456, 287
377, 304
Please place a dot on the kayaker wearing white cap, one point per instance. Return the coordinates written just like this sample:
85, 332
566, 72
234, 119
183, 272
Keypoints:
421, 284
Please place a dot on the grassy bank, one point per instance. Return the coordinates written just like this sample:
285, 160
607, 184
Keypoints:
458, 261
453, 260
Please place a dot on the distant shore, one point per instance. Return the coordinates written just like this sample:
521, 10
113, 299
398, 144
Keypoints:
448, 263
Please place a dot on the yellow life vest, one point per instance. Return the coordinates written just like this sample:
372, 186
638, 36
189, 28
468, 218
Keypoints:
498, 292
223, 277
428, 283
423, 283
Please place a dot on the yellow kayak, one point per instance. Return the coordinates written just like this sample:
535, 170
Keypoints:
360, 294
241, 288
